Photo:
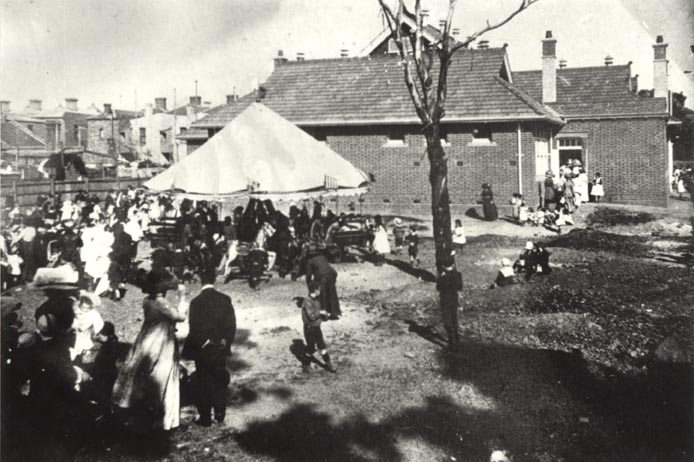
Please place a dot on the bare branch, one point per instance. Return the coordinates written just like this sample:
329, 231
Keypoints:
524, 4
396, 29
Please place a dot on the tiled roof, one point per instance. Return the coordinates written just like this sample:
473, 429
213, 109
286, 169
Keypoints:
222, 115
193, 133
352, 91
183, 110
592, 91
14, 134
59, 112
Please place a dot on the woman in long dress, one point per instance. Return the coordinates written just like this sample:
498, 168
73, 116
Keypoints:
488, 206
148, 385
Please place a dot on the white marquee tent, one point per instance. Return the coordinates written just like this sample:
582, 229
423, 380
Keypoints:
259, 154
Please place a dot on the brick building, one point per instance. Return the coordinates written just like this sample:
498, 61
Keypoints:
65, 126
111, 130
500, 127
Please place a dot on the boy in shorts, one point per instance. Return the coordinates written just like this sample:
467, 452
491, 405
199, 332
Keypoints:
312, 315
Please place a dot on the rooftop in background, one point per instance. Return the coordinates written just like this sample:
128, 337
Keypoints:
357, 91
13, 135
592, 91
117, 114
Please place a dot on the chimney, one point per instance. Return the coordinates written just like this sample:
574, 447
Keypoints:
35, 105
71, 104
609, 60
160, 103
4, 106
231, 98
660, 68
549, 68
456, 31
442, 24
107, 108
280, 59
195, 100
425, 13
562, 64
300, 56
344, 53
483, 44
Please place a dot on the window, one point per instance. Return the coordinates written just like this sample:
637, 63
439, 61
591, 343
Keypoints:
183, 130
101, 133
570, 143
122, 137
396, 137
482, 134
143, 136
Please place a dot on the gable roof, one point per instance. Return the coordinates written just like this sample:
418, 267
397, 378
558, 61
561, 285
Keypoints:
13, 134
592, 91
368, 91
117, 114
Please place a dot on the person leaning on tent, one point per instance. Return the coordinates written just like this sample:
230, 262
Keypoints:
449, 283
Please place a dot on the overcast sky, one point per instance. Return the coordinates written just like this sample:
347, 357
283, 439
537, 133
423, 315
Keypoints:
106, 51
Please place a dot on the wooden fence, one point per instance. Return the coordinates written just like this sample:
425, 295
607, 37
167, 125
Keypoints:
25, 193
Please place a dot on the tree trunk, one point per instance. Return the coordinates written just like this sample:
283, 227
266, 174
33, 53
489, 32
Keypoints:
440, 201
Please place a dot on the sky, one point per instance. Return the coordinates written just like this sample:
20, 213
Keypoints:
128, 52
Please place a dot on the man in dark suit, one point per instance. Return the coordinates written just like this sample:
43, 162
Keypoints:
212, 330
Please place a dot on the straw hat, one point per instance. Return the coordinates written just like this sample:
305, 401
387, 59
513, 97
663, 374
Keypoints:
63, 277
397, 221
529, 246
505, 262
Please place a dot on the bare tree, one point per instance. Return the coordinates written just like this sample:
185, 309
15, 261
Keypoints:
428, 93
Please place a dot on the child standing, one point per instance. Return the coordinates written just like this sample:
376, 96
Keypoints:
412, 240
515, 205
597, 191
523, 213
312, 315
459, 239
398, 235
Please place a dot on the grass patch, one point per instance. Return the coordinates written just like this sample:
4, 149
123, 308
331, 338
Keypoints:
607, 216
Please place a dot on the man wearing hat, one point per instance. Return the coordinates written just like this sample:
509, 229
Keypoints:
449, 283
399, 234
318, 269
212, 330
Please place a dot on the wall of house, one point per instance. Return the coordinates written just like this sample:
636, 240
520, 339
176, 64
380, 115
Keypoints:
401, 173
98, 143
70, 136
630, 154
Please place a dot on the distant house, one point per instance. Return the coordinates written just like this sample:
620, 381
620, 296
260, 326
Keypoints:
110, 132
66, 126
501, 127
154, 134
20, 145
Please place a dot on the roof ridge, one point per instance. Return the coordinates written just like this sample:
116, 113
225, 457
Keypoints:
527, 99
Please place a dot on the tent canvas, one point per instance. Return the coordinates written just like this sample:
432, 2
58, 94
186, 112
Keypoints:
262, 155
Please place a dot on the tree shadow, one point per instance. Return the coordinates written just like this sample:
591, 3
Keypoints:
405, 267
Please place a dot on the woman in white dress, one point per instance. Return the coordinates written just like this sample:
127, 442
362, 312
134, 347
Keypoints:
597, 191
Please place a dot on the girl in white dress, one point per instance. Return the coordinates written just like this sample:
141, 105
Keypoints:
597, 192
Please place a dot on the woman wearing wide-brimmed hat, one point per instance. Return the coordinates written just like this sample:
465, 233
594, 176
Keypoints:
148, 384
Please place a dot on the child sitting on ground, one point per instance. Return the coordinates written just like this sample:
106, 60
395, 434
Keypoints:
312, 315
539, 217
412, 240
506, 275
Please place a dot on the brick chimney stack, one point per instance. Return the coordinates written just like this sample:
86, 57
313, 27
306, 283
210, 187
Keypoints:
280, 59
562, 64
160, 103
71, 104
231, 98
108, 109
195, 100
300, 56
344, 53
483, 45
4, 106
609, 60
35, 105
660, 68
549, 68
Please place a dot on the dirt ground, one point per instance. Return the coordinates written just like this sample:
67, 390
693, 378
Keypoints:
591, 362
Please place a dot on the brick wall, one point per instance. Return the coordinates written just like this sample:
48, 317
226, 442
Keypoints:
402, 184
97, 143
631, 155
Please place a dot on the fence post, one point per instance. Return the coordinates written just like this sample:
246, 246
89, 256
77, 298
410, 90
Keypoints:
14, 192
86, 184
52, 186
